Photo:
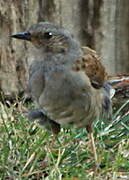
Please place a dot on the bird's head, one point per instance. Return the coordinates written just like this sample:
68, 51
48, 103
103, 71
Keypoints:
47, 36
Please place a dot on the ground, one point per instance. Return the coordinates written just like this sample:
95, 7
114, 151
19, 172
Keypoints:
30, 152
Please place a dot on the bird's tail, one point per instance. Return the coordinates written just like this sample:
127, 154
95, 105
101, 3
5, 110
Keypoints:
108, 92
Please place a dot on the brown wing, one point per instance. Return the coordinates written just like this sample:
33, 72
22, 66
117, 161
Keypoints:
90, 62
94, 68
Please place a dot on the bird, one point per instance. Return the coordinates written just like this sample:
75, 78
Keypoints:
67, 81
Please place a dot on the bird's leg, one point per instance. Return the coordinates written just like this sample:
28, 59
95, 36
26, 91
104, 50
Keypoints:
55, 127
90, 133
45, 121
52, 126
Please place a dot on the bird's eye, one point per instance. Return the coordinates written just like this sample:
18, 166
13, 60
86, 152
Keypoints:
48, 35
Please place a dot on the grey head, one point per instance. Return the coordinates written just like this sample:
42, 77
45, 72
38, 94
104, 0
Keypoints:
49, 37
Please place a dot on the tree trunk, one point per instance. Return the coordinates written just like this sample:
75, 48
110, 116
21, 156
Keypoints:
100, 24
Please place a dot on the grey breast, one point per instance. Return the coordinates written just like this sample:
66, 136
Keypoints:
68, 97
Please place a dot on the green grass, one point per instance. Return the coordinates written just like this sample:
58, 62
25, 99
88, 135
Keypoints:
30, 152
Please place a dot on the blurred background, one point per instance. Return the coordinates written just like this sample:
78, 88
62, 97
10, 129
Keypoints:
100, 24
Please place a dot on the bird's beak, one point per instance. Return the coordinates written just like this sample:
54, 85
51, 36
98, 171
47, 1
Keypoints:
22, 35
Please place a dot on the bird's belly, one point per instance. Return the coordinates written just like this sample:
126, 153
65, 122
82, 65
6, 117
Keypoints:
68, 108
65, 114
70, 113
